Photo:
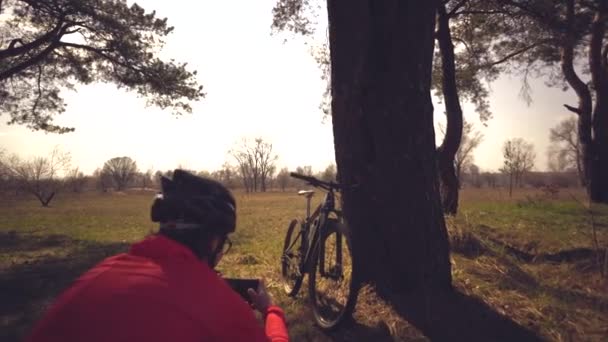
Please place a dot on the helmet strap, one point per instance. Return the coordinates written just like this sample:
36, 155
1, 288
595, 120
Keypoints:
212, 256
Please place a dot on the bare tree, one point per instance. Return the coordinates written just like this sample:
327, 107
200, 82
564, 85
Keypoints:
556, 159
145, 178
256, 163
490, 178
157, 176
565, 150
247, 165
245, 169
519, 158
469, 142
103, 180
304, 170
121, 169
473, 171
5, 175
329, 174
227, 175
39, 176
266, 161
8, 181
283, 178
76, 180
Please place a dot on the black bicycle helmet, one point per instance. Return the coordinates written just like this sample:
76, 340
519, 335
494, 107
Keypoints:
189, 202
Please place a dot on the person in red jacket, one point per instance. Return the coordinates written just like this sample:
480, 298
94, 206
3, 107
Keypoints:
165, 288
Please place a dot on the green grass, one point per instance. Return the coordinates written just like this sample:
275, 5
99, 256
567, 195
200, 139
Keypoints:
552, 224
43, 249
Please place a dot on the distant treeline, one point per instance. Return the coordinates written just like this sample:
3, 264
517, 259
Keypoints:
532, 179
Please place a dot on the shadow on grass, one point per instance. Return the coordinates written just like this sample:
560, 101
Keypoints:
521, 281
595, 303
514, 277
28, 288
474, 244
454, 316
12, 241
507, 274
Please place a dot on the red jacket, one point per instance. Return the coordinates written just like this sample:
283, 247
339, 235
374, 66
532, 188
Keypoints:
159, 291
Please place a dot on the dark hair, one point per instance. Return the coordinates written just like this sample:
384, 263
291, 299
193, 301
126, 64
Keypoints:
206, 205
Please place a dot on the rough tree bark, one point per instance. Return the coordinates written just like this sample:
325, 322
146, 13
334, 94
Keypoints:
598, 168
450, 183
381, 55
592, 120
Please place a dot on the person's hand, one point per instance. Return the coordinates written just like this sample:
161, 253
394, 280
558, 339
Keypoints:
260, 299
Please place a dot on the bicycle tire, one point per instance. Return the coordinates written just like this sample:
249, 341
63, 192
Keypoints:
291, 260
324, 320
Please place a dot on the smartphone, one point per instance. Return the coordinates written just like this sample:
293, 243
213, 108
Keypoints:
240, 286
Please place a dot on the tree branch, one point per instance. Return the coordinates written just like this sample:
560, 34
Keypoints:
29, 62
101, 53
55, 42
473, 12
456, 8
86, 47
573, 109
14, 42
514, 54
24, 48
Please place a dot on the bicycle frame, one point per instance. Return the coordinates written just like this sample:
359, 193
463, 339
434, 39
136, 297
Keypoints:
315, 256
312, 229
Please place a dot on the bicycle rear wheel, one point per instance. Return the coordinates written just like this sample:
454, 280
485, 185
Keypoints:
291, 259
332, 287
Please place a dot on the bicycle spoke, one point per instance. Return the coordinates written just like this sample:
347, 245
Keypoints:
291, 260
331, 291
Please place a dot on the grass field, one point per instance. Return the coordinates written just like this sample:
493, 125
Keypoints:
43, 249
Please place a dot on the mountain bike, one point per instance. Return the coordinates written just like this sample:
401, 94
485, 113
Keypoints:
319, 245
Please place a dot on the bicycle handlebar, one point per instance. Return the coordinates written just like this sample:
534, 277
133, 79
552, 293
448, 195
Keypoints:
317, 182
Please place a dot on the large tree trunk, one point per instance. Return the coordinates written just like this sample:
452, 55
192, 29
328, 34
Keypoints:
450, 182
585, 102
599, 173
598, 168
381, 55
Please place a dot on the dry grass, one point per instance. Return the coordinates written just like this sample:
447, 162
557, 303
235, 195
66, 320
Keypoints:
42, 250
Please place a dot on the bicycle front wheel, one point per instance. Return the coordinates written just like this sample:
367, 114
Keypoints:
291, 259
332, 288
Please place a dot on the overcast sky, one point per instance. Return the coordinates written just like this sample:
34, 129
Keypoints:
256, 85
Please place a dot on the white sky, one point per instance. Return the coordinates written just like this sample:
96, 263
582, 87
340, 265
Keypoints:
256, 85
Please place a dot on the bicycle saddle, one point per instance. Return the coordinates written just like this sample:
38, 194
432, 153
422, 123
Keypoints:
307, 193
